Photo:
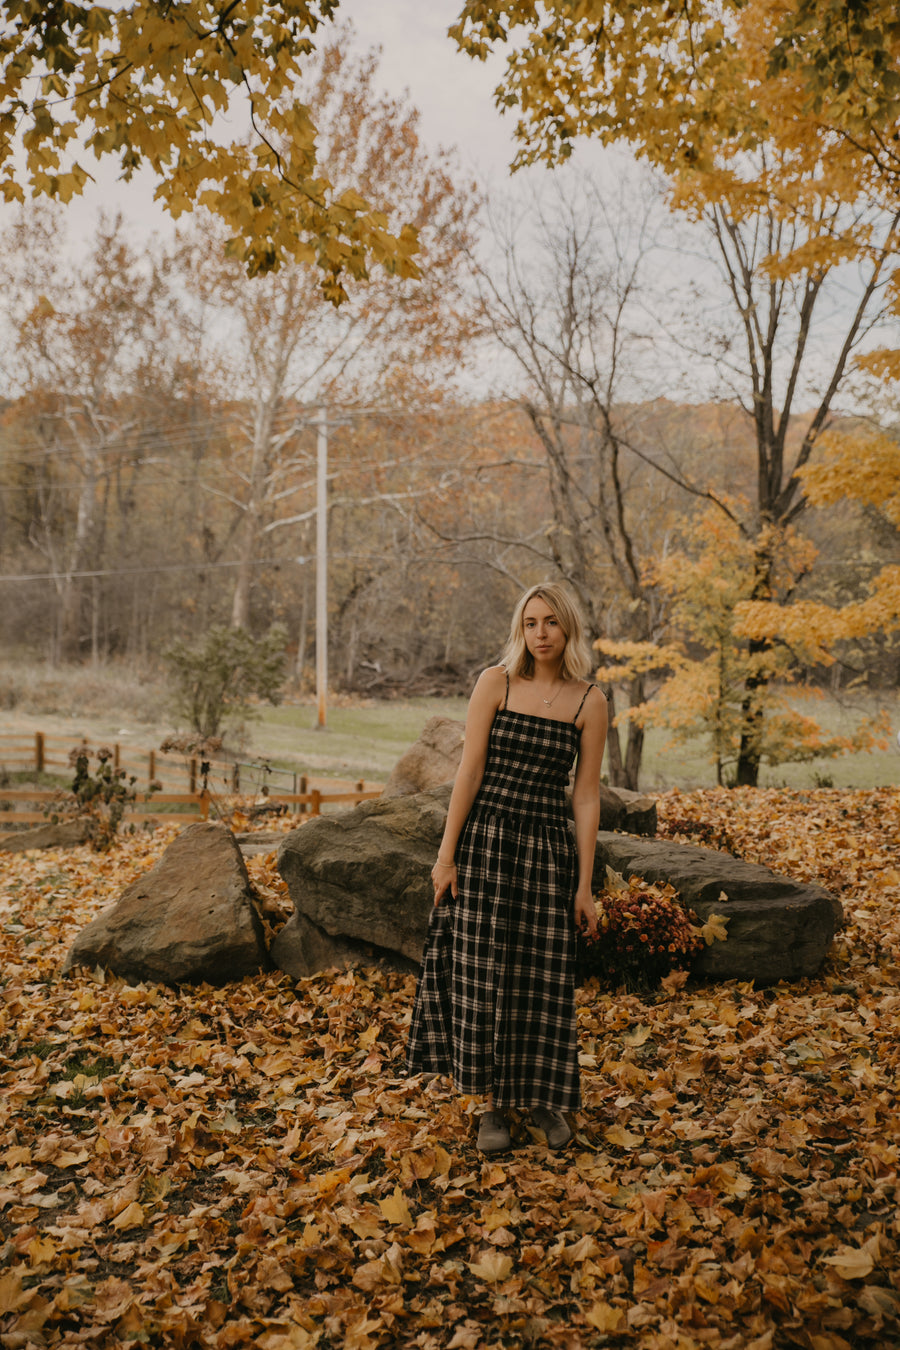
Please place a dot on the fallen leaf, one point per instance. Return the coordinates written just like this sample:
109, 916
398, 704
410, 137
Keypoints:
395, 1208
851, 1263
491, 1266
603, 1317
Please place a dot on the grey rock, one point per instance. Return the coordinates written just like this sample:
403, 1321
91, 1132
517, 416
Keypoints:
361, 887
633, 812
361, 876
64, 834
302, 948
778, 929
431, 761
190, 918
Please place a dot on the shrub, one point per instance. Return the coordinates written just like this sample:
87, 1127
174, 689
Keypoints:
217, 679
99, 793
643, 935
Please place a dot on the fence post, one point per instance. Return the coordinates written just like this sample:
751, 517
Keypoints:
204, 805
236, 777
151, 767
39, 751
116, 755
193, 776
315, 806
304, 787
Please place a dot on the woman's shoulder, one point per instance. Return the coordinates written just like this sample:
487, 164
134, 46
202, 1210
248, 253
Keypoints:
492, 677
593, 699
488, 695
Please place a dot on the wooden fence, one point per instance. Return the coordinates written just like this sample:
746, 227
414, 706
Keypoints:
225, 783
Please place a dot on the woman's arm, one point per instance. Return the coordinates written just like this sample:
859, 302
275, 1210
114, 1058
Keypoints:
487, 696
586, 804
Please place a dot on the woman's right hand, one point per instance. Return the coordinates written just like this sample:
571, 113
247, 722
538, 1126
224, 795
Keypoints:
443, 877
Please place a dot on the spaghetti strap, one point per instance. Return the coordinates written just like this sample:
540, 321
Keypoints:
581, 704
506, 699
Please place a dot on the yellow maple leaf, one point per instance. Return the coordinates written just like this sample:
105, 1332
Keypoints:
603, 1317
622, 1138
851, 1263
395, 1209
131, 1217
492, 1267
715, 929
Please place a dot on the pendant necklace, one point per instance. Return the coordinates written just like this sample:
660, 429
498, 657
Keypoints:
550, 701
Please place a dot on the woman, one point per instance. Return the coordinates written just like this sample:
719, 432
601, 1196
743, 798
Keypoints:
495, 1003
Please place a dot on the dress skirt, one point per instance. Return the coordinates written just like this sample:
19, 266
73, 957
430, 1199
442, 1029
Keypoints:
495, 1002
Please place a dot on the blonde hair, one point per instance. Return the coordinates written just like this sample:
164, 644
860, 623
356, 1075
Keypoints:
516, 659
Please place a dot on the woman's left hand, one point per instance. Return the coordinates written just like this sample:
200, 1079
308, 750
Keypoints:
585, 913
443, 878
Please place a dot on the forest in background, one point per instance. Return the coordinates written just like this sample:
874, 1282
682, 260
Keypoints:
685, 420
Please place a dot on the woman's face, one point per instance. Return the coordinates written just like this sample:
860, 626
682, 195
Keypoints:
544, 636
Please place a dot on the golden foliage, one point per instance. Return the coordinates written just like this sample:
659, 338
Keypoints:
704, 679
249, 1165
744, 103
148, 84
861, 465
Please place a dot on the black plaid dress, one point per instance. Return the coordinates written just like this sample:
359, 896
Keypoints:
495, 1003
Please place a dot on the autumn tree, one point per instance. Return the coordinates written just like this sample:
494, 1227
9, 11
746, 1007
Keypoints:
859, 463
703, 667
285, 352
800, 215
150, 84
565, 296
847, 57
86, 339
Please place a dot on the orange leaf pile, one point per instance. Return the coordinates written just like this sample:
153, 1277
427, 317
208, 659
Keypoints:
250, 1166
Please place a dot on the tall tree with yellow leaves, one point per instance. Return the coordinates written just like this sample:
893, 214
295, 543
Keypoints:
802, 214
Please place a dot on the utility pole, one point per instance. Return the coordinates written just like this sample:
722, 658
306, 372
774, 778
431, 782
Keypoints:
322, 565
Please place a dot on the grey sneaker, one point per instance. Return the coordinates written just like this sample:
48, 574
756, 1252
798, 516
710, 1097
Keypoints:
554, 1125
493, 1132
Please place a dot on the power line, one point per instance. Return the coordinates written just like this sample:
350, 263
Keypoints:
175, 567
154, 567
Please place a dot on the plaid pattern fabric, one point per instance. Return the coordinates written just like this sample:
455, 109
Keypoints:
495, 1003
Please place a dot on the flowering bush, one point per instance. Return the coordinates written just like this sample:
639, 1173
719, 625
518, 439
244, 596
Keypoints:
643, 935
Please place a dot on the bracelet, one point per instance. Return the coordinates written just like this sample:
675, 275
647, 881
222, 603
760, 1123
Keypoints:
439, 863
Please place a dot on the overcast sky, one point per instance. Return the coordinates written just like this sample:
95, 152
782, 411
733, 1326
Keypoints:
453, 94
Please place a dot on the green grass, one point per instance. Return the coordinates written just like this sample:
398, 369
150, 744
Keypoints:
366, 740
358, 741
688, 764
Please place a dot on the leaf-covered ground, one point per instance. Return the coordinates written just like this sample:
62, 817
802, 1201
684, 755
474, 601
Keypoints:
249, 1165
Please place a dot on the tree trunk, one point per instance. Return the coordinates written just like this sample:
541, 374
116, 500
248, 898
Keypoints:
749, 756
303, 625
240, 605
635, 746
755, 686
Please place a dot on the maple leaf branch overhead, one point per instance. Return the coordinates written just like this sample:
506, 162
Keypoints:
145, 83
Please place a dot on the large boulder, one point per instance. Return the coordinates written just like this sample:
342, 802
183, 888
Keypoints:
361, 887
361, 884
431, 761
778, 929
190, 918
633, 812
